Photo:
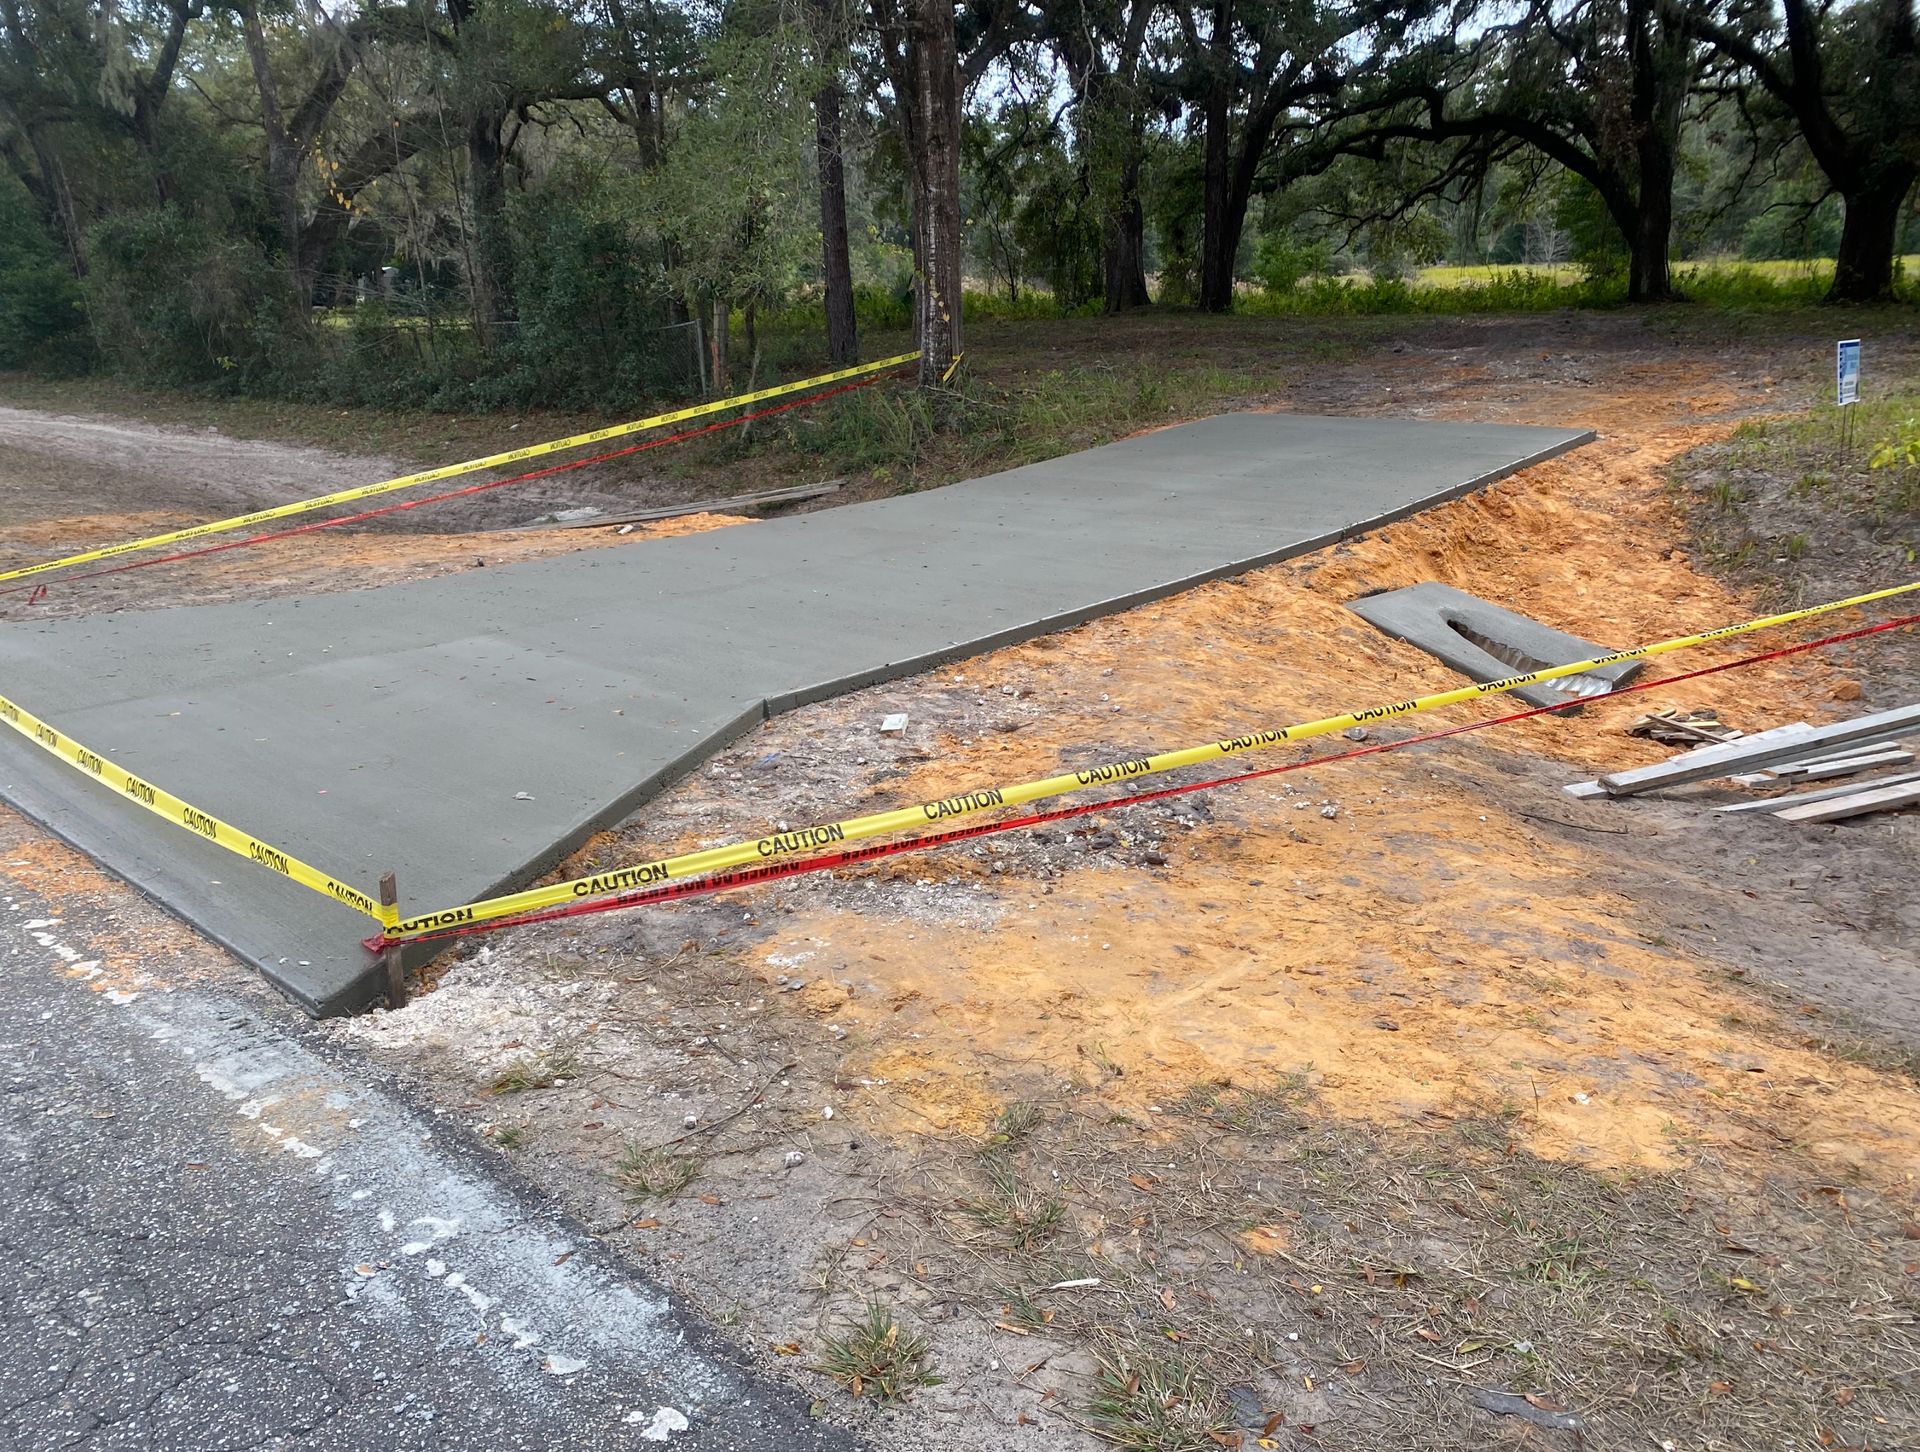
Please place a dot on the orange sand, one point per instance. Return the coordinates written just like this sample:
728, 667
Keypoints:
324, 560
1514, 982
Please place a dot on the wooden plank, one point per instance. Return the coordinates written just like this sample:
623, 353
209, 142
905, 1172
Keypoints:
1795, 729
1854, 758
1876, 799
1841, 765
1780, 744
1824, 758
730, 505
1774, 804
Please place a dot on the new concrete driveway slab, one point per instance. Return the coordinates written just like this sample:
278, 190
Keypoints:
468, 731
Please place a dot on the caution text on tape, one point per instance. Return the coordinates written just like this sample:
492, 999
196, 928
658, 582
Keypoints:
783, 844
183, 814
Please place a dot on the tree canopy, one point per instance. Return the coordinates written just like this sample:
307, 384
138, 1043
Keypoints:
458, 202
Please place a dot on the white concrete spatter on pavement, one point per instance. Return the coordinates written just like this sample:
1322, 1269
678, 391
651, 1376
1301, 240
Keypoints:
485, 1267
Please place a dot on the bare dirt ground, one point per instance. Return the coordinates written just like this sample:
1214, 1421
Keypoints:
1390, 1103
91, 463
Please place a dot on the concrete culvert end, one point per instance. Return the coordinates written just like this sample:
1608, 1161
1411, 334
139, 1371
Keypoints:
1486, 643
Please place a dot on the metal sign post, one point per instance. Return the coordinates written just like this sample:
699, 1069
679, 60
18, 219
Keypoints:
1846, 384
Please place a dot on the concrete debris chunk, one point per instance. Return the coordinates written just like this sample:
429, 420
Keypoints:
666, 1421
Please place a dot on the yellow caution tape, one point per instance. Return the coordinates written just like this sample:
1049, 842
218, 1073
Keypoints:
205, 825
448, 471
808, 838
185, 814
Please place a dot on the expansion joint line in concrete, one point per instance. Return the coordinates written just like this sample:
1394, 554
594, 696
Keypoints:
470, 466
856, 856
791, 844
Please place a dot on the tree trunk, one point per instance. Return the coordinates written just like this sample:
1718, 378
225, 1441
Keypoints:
492, 265
717, 347
284, 154
1126, 240
1239, 192
289, 143
1863, 269
836, 267
150, 94
936, 65
1649, 261
1660, 55
1126, 251
1866, 158
1216, 247
59, 198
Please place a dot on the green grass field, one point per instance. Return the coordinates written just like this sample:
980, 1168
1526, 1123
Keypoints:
1817, 270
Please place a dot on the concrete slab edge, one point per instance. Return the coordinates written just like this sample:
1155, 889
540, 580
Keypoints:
369, 986
1072, 619
358, 995
690, 760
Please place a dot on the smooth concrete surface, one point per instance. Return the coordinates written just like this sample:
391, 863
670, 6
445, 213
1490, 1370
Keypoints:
468, 731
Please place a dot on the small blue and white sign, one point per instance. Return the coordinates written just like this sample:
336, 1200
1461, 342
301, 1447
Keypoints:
1847, 371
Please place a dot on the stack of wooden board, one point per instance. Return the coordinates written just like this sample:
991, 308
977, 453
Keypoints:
1793, 753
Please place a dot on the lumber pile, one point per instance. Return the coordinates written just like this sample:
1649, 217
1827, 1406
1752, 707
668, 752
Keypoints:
1791, 755
1676, 727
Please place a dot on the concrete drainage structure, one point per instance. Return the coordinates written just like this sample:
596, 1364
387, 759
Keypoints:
1485, 643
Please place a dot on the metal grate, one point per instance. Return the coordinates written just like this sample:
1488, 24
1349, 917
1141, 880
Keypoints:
1581, 685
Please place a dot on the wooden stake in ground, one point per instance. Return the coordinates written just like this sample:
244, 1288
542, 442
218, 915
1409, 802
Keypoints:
396, 972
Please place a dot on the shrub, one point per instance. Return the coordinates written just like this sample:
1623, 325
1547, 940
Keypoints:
43, 319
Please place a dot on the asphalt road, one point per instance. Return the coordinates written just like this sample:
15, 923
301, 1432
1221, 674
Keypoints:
213, 1238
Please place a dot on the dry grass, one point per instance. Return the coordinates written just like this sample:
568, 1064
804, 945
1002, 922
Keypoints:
536, 1071
1014, 1123
510, 1136
876, 1358
1151, 1403
1382, 1272
652, 1174
1011, 1211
